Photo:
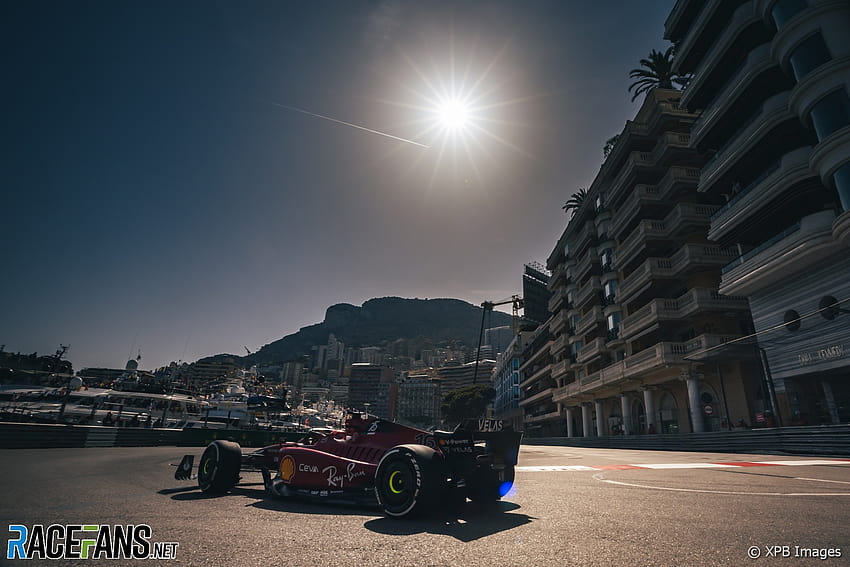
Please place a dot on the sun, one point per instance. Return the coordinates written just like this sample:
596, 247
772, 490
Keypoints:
454, 114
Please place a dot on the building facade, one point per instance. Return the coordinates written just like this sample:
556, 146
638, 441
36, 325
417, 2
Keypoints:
460, 376
535, 294
635, 307
506, 379
374, 389
419, 401
772, 78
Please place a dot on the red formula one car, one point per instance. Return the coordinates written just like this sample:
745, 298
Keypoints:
408, 470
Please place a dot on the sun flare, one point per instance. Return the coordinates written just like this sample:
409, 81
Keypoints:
453, 115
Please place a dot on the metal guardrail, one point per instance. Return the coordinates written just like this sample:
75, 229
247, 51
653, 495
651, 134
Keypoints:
823, 440
44, 436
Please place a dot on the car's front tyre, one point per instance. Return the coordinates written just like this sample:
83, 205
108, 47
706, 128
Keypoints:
218, 470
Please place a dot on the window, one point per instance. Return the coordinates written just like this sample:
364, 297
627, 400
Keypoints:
830, 113
600, 202
606, 257
784, 10
842, 185
602, 230
610, 291
575, 347
808, 56
613, 322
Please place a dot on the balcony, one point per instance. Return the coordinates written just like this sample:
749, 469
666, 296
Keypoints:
556, 300
537, 356
669, 142
588, 261
801, 246
591, 350
743, 17
541, 372
658, 357
773, 113
689, 256
681, 18
557, 323
792, 169
558, 345
537, 397
559, 369
593, 317
589, 291
557, 277
696, 30
696, 300
675, 179
757, 62
566, 392
636, 160
553, 415
647, 230
585, 237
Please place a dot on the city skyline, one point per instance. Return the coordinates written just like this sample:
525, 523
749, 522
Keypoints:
162, 200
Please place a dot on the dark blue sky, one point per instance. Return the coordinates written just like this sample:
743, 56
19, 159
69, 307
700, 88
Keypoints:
155, 197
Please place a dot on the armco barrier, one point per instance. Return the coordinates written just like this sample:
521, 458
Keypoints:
199, 437
42, 436
826, 440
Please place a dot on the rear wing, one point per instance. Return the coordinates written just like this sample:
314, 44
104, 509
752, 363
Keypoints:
499, 437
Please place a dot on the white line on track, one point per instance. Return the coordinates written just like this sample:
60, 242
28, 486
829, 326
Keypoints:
599, 477
822, 480
661, 466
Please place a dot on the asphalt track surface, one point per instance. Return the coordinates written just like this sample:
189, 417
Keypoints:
558, 513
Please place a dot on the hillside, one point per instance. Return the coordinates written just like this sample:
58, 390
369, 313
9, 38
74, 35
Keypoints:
383, 320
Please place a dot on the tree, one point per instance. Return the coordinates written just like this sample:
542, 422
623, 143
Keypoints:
576, 200
468, 402
658, 73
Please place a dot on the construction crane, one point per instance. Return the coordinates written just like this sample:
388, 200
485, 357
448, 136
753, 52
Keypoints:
517, 303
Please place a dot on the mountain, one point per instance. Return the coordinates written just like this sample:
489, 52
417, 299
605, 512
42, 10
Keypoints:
383, 320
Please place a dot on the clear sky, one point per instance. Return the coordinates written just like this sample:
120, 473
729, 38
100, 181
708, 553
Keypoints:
158, 194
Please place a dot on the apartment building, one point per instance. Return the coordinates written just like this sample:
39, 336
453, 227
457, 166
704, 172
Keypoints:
771, 78
506, 379
419, 401
542, 417
372, 387
457, 376
635, 303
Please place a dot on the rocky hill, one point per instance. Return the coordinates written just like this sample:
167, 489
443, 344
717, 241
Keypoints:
383, 320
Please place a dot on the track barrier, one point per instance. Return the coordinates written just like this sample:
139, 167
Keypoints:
42, 436
818, 440
824, 440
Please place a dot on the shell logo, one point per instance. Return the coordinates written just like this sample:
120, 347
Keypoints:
287, 468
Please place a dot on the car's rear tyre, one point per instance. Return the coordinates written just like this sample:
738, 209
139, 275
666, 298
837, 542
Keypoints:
218, 470
408, 479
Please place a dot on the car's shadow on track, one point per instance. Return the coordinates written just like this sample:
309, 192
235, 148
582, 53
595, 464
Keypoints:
472, 521
255, 492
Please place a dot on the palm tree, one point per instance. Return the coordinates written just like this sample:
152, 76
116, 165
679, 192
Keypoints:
576, 200
658, 73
